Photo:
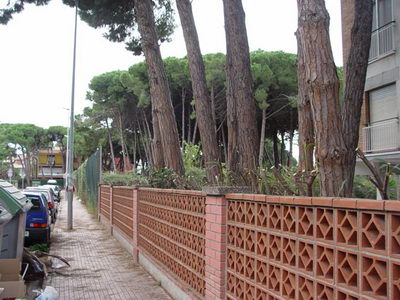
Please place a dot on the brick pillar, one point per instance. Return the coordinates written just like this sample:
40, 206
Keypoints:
215, 252
135, 236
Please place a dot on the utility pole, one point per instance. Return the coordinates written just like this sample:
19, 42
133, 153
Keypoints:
70, 154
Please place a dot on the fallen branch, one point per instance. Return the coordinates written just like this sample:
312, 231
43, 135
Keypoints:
39, 253
37, 269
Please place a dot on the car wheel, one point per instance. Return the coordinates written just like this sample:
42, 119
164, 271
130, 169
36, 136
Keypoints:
47, 240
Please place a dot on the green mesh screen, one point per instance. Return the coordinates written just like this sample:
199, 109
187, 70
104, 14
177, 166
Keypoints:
86, 180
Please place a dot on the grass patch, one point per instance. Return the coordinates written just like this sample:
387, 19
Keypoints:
40, 247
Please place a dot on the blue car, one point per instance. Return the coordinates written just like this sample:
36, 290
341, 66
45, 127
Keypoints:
38, 219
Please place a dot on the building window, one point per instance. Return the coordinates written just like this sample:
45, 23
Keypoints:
383, 104
383, 132
382, 29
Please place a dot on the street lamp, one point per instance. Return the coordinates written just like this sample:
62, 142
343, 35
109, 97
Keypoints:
70, 153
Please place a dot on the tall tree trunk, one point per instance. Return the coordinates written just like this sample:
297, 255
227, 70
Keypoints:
111, 147
275, 149
290, 154
306, 125
283, 147
143, 156
321, 76
224, 144
204, 110
271, 163
183, 96
23, 163
153, 146
122, 141
156, 144
355, 72
262, 139
159, 89
214, 116
134, 150
128, 160
243, 150
148, 146
196, 125
291, 134
189, 134
28, 168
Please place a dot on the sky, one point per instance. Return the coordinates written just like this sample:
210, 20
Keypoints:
37, 45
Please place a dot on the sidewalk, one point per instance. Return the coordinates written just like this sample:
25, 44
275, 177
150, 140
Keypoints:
100, 267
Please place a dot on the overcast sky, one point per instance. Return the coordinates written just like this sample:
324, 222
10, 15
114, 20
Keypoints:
36, 52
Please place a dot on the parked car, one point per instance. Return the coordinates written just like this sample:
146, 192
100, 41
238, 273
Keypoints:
38, 219
52, 182
49, 194
56, 190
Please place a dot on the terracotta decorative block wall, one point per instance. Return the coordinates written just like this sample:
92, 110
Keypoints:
312, 248
122, 210
104, 208
242, 246
172, 230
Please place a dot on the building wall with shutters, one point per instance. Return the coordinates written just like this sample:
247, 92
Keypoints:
382, 98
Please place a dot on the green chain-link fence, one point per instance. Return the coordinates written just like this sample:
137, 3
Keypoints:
86, 180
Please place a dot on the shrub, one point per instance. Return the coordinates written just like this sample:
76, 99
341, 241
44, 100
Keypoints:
196, 177
123, 179
363, 187
164, 178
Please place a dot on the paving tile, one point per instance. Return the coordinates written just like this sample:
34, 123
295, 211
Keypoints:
100, 267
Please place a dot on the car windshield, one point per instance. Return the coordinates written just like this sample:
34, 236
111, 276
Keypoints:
48, 188
35, 200
46, 196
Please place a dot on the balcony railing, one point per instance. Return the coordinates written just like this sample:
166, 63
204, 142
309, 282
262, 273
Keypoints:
382, 137
382, 41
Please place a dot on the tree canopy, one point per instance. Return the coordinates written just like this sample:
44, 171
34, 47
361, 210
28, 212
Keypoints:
116, 16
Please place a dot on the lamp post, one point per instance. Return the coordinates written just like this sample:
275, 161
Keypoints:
70, 154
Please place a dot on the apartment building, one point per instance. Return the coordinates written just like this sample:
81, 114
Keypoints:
379, 128
51, 164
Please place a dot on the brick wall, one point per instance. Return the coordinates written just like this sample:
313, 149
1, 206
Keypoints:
104, 203
122, 210
242, 246
172, 231
312, 248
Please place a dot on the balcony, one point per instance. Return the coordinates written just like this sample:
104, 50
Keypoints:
382, 137
382, 41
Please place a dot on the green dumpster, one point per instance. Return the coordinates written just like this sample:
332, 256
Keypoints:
14, 206
5, 218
